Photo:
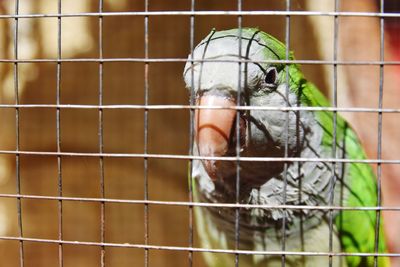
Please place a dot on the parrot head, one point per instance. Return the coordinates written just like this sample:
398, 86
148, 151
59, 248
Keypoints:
217, 78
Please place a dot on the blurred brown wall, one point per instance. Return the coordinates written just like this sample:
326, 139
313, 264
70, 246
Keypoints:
123, 129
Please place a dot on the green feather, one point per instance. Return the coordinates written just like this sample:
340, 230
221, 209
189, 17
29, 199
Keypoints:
357, 228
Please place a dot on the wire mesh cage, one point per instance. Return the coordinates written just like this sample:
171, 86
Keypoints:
98, 131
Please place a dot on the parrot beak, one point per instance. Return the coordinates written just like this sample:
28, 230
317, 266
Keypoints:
213, 129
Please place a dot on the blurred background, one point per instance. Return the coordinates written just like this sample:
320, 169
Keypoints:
124, 83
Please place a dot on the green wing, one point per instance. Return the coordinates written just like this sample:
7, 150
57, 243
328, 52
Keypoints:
358, 188
357, 228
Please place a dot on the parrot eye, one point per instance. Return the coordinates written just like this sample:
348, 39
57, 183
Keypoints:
271, 77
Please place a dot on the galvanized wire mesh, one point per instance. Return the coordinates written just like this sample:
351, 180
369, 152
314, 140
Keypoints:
101, 106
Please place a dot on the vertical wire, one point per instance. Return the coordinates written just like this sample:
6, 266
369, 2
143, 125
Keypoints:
17, 144
379, 152
333, 179
58, 137
146, 125
101, 140
191, 135
237, 197
286, 152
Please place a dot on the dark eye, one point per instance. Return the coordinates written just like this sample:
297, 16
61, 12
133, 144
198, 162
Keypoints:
270, 77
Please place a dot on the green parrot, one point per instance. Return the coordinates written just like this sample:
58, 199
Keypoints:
215, 78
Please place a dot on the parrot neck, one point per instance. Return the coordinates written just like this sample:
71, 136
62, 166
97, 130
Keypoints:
306, 183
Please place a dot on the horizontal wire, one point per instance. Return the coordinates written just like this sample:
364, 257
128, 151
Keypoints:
200, 204
203, 13
192, 157
172, 60
193, 107
196, 249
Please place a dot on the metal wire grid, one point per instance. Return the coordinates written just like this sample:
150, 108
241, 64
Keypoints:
191, 107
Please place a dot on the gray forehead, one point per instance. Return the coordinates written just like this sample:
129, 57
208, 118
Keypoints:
227, 45
226, 68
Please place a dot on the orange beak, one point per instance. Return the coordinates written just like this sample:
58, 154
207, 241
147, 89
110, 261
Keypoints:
213, 129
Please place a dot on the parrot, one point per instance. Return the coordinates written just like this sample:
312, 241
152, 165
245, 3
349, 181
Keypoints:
246, 67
